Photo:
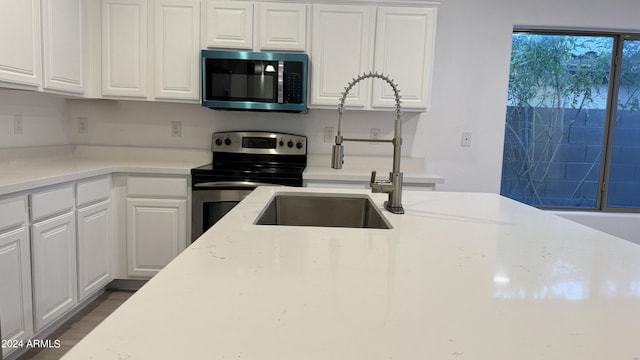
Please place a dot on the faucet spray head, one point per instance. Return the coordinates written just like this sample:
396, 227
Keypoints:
337, 156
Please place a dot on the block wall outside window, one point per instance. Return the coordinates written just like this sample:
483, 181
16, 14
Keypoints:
558, 152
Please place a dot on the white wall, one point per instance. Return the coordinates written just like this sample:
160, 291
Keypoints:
136, 123
471, 75
44, 119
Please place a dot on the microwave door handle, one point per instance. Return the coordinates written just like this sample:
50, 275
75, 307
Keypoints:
280, 82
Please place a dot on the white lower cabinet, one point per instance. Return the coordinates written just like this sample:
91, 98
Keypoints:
15, 282
95, 235
156, 218
94, 248
155, 230
54, 268
46, 272
15, 272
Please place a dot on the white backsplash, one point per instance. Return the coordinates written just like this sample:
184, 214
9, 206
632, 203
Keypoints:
44, 119
138, 123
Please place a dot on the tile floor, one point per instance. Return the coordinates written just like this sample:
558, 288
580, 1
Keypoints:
79, 325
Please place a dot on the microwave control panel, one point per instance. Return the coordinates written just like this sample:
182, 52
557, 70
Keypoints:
293, 82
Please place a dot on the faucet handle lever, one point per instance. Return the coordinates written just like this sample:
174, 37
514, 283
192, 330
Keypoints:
373, 177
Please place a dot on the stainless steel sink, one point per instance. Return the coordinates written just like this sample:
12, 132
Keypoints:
321, 209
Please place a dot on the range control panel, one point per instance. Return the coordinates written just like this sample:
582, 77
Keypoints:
259, 142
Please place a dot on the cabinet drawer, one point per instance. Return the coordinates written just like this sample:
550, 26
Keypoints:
92, 191
50, 202
13, 212
144, 186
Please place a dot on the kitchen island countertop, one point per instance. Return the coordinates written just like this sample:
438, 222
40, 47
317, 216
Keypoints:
460, 275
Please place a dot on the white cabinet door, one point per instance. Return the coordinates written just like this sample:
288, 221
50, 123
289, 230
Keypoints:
63, 45
124, 48
341, 48
404, 51
156, 230
94, 248
15, 282
229, 24
177, 49
20, 42
283, 27
53, 250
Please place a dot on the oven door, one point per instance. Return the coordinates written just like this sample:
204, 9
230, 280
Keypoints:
211, 201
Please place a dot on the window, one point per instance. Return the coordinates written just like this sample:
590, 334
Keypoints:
566, 145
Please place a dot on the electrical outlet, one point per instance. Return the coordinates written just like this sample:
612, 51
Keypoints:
328, 134
83, 125
374, 133
176, 128
466, 139
17, 124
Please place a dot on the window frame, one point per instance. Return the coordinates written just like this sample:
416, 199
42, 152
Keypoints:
610, 111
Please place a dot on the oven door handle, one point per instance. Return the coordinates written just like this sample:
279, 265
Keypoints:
218, 184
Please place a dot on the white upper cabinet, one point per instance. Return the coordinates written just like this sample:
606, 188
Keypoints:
259, 26
283, 26
43, 45
229, 24
177, 48
168, 29
20, 43
124, 48
63, 45
404, 50
341, 48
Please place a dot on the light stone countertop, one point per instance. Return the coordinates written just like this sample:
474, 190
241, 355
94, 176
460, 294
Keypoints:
460, 276
24, 169
357, 169
43, 173
29, 168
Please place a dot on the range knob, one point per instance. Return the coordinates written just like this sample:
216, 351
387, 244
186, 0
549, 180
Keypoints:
227, 141
281, 143
290, 144
218, 141
299, 145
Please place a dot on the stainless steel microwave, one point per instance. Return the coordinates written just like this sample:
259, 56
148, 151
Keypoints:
263, 81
